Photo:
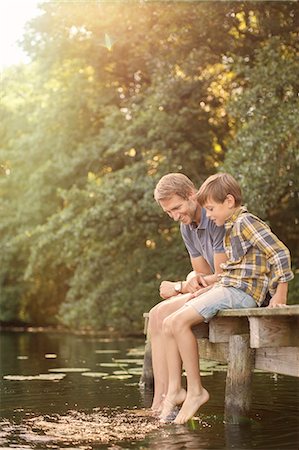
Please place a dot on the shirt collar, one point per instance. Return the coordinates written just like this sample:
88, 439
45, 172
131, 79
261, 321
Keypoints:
231, 220
203, 221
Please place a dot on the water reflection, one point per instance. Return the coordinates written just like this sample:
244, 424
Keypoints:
96, 399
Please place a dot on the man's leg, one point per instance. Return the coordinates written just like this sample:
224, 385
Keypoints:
156, 317
182, 344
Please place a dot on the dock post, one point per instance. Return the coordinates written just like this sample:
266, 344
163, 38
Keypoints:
238, 379
147, 377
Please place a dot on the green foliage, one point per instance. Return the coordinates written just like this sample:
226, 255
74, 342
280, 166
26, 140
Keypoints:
264, 152
101, 113
293, 289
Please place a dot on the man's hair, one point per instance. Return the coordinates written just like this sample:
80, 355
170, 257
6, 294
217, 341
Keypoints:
217, 187
174, 184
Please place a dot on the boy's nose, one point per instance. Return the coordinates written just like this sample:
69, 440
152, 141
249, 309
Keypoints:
175, 216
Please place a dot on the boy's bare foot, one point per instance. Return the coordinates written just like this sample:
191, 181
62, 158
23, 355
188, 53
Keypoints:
191, 405
170, 403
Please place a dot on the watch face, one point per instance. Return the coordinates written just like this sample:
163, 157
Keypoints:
177, 287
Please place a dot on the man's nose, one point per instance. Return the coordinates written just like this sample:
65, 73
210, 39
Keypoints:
175, 216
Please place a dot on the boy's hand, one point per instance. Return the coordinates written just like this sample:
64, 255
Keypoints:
195, 283
277, 301
200, 291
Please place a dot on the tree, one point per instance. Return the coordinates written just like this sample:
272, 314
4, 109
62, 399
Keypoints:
96, 118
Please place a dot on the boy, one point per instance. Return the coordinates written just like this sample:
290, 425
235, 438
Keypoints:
256, 262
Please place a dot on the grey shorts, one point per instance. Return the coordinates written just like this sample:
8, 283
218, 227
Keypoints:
219, 298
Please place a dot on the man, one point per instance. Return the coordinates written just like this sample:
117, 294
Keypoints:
176, 195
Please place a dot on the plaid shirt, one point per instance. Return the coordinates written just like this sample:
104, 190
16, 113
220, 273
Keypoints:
256, 259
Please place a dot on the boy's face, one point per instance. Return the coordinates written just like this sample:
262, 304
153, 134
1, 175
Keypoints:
220, 212
180, 209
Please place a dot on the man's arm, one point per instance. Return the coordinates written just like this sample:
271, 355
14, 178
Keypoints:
199, 265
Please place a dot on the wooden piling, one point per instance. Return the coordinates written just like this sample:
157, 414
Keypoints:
147, 377
238, 379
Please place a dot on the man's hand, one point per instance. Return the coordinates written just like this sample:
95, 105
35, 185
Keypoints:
195, 283
167, 289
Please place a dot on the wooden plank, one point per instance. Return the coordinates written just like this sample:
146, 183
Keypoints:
221, 328
238, 379
201, 330
215, 352
290, 310
284, 360
282, 331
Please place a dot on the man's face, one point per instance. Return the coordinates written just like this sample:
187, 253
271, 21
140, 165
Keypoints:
180, 209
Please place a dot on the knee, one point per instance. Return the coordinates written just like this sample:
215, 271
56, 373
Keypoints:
156, 317
168, 326
178, 325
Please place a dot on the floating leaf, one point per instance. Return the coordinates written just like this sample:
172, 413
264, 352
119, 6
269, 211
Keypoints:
129, 361
117, 377
139, 351
107, 351
113, 364
69, 369
94, 374
120, 372
22, 357
136, 371
50, 355
42, 376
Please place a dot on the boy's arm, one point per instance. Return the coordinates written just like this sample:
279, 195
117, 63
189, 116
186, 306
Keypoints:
257, 233
280, 296
204, 276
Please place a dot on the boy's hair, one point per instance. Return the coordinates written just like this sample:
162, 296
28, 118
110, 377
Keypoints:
173, 184
217, 187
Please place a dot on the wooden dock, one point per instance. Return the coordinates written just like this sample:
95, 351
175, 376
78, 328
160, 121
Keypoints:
245, 339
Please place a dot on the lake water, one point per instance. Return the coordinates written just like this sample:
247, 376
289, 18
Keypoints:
88, 398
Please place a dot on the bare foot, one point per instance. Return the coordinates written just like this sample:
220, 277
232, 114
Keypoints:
191, 405
157, 405
170, 403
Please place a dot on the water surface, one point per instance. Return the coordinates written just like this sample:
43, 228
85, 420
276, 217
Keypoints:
97, 412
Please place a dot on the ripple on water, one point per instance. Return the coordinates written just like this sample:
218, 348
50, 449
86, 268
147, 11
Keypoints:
80, 428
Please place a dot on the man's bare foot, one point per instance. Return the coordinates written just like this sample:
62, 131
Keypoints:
191, 405
157, 405
170, 403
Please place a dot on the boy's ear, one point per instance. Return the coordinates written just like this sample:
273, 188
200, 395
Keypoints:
231, 202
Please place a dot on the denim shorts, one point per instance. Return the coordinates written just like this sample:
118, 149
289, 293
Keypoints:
219, 298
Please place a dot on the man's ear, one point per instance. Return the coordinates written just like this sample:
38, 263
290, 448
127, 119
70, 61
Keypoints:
193, 195
231, 202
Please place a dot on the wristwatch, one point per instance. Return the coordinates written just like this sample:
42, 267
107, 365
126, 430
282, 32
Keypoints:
178, 287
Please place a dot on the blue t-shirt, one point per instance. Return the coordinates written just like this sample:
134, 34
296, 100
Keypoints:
204, 240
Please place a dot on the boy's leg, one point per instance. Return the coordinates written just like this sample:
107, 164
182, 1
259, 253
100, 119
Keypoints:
156, 317
204, 307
